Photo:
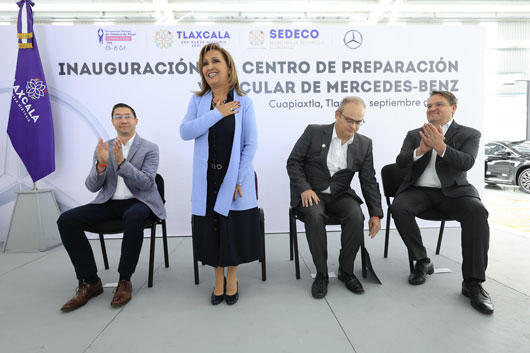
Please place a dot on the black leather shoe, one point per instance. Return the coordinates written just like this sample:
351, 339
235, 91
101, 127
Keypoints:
232, 299
319, 289
351, 282
479, 298
216, 299
421, 269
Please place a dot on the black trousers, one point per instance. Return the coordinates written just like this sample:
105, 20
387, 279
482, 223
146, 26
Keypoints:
469, 211
348, 210
71, 227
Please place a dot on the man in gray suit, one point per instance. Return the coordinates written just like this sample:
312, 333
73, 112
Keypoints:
438, 156
321, 167
123, 171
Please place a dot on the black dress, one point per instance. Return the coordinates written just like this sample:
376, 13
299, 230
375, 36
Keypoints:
219, 240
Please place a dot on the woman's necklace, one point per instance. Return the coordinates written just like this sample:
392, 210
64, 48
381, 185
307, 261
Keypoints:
214, 103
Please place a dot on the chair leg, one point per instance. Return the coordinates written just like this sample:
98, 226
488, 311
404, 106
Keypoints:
411, 263
293, 238
363, 259
367, 264
291, 249
196, 271
195, 262
295, 250
263, 259
151, 255
104, 251
387, 231
164, 240
293, 242
296, 258
440, 236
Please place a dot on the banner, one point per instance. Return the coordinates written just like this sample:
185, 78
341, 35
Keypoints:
30, 126
295, 76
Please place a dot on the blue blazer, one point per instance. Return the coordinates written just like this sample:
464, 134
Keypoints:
138, 172
195, 125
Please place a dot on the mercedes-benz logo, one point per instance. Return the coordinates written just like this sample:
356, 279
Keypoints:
353, 39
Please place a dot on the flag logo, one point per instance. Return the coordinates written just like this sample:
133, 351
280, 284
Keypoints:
35, 88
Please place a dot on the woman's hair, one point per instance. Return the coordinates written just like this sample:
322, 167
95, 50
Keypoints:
233, 81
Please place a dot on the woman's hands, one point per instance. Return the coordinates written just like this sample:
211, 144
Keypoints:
238, 191
228, 108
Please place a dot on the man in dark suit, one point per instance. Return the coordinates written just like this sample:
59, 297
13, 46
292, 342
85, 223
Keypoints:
321, 167
437, 156
123, 172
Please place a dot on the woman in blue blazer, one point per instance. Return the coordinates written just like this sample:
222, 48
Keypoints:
220, 118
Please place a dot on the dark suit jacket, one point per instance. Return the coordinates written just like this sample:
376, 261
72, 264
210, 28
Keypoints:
462, 147
307, 168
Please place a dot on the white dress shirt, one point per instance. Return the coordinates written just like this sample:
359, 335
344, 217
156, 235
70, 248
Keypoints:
122, 191
429, 178
337, 155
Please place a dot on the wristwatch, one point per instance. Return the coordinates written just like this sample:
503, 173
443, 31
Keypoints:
119, 165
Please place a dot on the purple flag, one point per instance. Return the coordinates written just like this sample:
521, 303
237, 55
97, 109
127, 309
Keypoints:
30, 125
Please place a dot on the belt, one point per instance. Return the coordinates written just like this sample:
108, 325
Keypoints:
216, 166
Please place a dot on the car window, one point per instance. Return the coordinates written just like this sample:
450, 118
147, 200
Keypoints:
521, 146
494, 148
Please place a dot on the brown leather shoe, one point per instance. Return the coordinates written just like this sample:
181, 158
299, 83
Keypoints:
122, 294
83, 293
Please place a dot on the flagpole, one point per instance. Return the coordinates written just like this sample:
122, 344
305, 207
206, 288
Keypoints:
33, 224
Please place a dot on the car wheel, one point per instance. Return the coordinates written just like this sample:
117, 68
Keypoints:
524, 180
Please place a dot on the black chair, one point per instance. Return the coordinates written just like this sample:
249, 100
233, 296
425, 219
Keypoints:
392, 177
262, 231
114, 226
294, 215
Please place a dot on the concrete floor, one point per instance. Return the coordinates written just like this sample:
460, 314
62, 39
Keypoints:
278, 315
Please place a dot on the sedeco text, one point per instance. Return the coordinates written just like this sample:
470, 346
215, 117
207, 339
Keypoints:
293, 33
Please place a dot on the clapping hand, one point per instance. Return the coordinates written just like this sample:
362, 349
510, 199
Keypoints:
433, 137
102, 151
118, 151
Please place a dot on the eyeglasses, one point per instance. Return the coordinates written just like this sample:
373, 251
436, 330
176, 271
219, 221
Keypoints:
437, 105
119, 116
350, 120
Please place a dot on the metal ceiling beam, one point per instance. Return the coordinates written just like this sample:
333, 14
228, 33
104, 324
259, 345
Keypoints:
268, 6
171, 12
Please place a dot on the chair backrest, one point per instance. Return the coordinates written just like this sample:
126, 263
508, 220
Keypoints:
160, 186
392, 177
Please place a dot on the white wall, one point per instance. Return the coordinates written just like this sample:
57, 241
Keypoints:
81, 103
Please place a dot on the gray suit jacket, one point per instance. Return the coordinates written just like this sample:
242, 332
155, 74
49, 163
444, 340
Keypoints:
138, 172
307, 168
462, 147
